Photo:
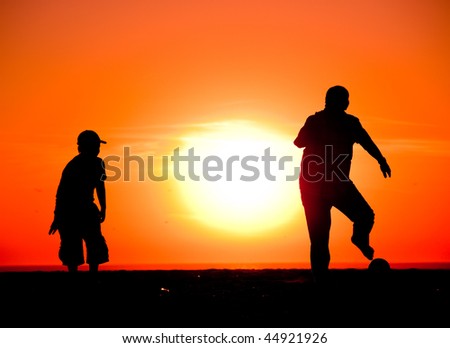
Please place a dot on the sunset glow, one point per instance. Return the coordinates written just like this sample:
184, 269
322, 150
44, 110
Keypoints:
242, 184
225, 78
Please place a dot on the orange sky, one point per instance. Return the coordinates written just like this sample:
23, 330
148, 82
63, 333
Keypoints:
153, 75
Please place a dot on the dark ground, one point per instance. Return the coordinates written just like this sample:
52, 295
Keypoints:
272, 298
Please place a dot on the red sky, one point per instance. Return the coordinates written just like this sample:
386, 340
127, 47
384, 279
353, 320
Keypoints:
154, 76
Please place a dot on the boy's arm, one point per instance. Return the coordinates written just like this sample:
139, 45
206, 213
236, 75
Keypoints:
58, 206
101, 195
55, 223
54, 226
101, 191
368, 144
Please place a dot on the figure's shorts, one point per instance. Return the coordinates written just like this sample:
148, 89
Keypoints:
83, 226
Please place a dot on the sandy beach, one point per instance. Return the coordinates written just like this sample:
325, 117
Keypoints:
270, 298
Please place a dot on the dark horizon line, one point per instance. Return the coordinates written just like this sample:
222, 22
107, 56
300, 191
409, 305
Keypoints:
223, 266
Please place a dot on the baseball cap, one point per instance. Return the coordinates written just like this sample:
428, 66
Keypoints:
89, 137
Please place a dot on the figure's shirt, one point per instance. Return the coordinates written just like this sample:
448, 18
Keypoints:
78, 182
328, 138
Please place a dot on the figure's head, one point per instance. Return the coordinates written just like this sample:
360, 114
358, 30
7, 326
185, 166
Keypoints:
89, 143
337, 98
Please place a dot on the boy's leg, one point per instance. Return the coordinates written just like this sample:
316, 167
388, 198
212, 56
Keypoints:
353, 205
96, 250
96, 247
71, 248
318, 219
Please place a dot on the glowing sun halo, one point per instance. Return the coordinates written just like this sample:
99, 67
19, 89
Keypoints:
243, 179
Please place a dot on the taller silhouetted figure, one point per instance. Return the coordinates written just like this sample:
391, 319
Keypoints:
327, 138
76, 216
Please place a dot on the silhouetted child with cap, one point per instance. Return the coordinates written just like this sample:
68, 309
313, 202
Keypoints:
76, 216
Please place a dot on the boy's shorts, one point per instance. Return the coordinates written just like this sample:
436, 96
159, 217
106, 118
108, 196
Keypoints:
82, 226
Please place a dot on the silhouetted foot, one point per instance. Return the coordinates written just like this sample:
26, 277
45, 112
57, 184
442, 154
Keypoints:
363, 244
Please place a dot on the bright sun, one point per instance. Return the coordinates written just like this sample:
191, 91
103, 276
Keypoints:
239, 177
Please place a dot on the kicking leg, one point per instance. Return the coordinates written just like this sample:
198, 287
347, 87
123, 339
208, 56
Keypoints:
356, 208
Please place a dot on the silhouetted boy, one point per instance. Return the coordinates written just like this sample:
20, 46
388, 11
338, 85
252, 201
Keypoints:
327, 138
76, 216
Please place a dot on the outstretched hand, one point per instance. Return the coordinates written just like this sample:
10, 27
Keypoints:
385, 169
